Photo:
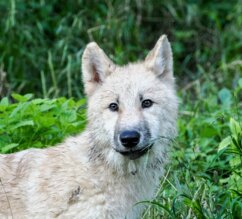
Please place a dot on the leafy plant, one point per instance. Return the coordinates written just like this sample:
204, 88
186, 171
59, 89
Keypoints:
38, 122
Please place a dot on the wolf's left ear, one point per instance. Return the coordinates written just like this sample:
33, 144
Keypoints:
96, 66
159, 60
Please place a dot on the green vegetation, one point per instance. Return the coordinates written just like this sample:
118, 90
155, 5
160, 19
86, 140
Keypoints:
38, 123
41, 43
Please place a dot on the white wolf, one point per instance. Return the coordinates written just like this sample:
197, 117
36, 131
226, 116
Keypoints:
117, 161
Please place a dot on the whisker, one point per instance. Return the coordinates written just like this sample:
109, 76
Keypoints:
162, 138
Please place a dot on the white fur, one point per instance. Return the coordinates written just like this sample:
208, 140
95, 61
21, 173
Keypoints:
84, 177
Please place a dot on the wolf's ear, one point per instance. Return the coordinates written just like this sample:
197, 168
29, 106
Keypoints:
159, 60
96, 66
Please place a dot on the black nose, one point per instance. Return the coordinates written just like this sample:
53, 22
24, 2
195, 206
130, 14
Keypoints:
129, 139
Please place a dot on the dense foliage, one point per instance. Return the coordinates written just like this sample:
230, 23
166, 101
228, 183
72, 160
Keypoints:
42, 41
38, 123
41, 44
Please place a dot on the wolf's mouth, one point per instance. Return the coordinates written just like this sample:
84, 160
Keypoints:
134, 154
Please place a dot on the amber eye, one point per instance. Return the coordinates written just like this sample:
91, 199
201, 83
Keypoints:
147, 103
113, 107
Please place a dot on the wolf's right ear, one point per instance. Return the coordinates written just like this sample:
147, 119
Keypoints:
96, 66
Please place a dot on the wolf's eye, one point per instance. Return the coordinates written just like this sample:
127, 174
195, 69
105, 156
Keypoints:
113, 107
146, 103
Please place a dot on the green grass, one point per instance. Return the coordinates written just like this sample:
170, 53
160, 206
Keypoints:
41, 44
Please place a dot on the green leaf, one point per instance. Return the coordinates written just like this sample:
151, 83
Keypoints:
224, 143
68, 116
28, 96
21, 107
234, 127
235, 161
46, 122
240, 82
9, 147
4, 104
23, 123
208, 131
46, 107
82, 101
21, 98
38, 101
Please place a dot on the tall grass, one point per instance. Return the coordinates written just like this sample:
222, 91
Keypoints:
43, 36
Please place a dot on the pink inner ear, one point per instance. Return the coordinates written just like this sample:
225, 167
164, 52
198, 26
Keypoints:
96, 77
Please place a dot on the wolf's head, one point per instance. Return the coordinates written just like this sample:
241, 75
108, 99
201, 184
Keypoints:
132, 109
